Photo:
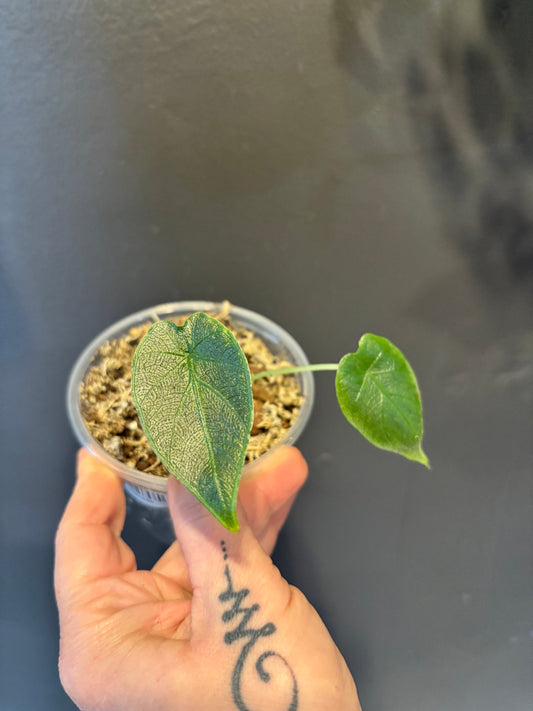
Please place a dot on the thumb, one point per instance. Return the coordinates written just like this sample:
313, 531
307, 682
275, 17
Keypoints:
265, 498
206, 543
212, 553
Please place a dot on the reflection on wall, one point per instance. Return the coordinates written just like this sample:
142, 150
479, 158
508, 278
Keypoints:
371, 36
472, 112
467, 79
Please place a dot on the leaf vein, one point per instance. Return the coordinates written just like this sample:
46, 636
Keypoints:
199, 343
221, 397
217, 360
204, 429
159, 380
370, 373
389, 397
174, 426
365, 376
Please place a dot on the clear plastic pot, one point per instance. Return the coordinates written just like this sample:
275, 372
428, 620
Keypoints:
146, 493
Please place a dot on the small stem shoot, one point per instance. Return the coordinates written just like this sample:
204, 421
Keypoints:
294, 369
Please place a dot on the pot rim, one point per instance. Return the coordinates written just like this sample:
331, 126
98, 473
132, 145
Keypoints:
274, 335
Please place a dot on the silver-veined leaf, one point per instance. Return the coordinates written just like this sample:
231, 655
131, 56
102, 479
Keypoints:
191, 387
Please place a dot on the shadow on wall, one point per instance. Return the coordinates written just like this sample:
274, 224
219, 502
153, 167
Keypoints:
471, 103
371, 37
468, 87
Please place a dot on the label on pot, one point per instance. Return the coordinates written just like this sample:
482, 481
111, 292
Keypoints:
149, 497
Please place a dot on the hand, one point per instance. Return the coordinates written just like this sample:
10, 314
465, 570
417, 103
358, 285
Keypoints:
213, 625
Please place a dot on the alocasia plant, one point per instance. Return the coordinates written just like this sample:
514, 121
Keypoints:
192, 389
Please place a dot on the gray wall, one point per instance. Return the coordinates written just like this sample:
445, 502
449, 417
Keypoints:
341, 167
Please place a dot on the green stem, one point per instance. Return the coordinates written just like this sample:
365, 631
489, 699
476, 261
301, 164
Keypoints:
294, 369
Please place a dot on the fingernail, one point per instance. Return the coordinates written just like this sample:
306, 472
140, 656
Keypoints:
271, 460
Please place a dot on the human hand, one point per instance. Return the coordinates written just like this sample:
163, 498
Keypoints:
212, 626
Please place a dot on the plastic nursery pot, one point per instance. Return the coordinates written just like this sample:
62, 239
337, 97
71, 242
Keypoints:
145, 492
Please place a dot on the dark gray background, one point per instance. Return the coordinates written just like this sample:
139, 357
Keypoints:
341, 167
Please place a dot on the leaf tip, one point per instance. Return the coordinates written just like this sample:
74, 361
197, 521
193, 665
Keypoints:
422, 458
232, 525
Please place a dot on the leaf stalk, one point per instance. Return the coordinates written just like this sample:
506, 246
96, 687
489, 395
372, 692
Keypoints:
294, 369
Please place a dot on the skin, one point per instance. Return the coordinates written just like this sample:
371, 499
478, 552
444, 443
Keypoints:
152, 640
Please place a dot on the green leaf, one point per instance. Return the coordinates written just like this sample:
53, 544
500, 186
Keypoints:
378, 394
191, 387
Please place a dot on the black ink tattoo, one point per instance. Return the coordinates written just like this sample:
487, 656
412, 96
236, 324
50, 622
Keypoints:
249, 635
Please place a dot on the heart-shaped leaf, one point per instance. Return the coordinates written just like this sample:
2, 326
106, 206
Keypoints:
191, 387
379, 396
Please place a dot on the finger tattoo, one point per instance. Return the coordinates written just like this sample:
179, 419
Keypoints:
248, 636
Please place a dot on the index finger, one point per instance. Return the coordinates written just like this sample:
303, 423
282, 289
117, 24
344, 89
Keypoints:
88, 543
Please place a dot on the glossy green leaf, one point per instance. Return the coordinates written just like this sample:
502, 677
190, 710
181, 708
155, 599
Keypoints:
378, 394
191, 387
